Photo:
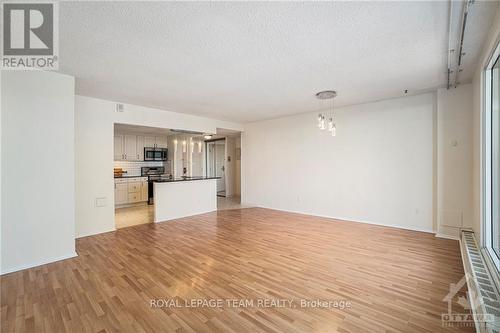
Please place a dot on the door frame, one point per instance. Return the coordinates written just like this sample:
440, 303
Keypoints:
206, 161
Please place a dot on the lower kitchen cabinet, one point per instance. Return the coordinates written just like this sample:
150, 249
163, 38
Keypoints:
130, 191
121, 193
134, 197
144, 190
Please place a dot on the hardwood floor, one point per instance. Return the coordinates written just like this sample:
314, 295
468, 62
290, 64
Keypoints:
130, 216
395, 279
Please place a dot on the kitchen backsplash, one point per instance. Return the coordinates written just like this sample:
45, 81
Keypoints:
134, 168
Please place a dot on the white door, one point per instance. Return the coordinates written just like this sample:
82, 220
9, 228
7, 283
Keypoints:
149, 141
161, 141
130, 144
119, 152
140, 148
121, 193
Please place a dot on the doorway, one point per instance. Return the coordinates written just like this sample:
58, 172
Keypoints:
215, 159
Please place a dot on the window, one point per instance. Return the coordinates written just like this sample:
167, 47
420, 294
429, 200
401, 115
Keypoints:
492, 158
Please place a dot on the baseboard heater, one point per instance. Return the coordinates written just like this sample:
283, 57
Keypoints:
483, 294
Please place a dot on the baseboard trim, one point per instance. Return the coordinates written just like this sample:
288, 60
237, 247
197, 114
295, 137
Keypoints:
347, 219
95, 233
184, 216
447, 236
39, 263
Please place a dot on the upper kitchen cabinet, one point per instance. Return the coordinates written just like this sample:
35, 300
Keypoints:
155, 141
119, 151
129, 147
161, 141
140, 147
149, 141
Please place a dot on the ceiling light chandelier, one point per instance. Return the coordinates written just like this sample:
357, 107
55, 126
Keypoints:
327, 94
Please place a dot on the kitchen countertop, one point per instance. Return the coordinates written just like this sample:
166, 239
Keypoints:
129, 176
181, 179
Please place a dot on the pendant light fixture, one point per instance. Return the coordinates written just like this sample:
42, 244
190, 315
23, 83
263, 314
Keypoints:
332, 128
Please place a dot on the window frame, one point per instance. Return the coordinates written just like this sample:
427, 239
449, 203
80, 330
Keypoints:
486, 225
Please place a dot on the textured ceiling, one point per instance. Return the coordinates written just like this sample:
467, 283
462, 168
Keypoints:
250, 61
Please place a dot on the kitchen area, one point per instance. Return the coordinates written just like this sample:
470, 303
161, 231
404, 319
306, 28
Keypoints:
162, 174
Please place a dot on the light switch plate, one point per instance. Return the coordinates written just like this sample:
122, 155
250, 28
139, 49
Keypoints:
100, 202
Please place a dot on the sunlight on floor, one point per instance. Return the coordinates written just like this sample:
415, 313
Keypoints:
130, 216
225, 203
127, 217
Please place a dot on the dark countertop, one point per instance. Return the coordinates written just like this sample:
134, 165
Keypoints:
129, 176
181, 179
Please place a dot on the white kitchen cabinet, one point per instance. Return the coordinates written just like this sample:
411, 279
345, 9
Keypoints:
121, 193
140, 148
144, 190
149, 141
134, 197
134, 187
161, 141
119, 153
131, 190
155, 141
130, 147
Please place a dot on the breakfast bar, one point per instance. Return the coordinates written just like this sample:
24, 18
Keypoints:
185, 196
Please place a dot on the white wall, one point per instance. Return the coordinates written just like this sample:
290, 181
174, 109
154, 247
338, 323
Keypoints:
477, 90
237, 167
38, 169
378, 169
229, 165
94, 120
454, 159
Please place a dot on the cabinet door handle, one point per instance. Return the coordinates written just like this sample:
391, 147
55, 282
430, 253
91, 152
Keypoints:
125, 156
137, 156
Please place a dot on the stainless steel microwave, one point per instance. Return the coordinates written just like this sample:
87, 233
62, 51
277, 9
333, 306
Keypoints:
155, 154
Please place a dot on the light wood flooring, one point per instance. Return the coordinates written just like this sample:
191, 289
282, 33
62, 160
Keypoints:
224, 203
130, 216
395, 279
144, 213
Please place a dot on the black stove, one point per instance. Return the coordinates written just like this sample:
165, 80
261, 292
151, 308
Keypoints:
151, 171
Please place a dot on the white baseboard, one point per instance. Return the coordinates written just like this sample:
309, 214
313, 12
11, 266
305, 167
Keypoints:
38, 263
346, 219
447, 236
95, 233
183, 216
